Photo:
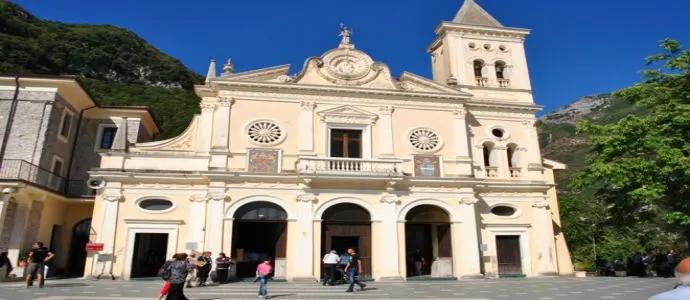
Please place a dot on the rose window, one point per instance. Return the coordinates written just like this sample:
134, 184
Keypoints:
424, 139
265, 132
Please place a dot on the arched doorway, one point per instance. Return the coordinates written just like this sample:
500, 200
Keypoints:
428, 242
346, 226
259, 231
81, 234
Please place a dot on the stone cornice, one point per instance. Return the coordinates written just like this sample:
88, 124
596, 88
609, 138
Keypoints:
526, 107
505, 32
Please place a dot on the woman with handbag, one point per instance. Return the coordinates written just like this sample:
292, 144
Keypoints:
176, 272
163, 274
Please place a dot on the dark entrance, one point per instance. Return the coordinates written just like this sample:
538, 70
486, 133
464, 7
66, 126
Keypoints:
428, 230
150, 251
258, 232
346, 226
508, 254
77, 251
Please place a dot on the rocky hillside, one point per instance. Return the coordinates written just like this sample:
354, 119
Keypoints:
111, 58
557, 130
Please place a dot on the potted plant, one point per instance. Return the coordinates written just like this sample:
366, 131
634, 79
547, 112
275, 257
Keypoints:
580, 270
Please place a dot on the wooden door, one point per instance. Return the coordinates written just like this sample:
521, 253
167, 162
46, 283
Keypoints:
509, 256
363, 232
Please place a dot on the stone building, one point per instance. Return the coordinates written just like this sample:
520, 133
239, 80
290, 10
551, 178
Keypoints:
343, 155
52, 134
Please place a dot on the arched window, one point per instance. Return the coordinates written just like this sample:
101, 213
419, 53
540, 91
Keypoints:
513, 160
490, 160
486, 152
478, 66
500, 69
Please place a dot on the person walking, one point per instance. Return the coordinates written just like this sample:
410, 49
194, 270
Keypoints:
176, 272
222, 266
38, 256
419, 262
330, 262
162, 273
263, 271
353, 270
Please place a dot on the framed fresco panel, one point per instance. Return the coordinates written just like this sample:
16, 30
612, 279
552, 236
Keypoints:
427, 166
263, 160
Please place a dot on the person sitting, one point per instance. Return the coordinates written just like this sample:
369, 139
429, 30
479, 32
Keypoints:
682, 289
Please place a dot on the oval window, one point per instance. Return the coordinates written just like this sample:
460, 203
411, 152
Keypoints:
155, 204
503, 211
497, 133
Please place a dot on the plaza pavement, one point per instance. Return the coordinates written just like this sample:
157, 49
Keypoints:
493, 289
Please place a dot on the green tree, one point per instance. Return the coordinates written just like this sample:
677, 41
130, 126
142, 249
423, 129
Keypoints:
639, 167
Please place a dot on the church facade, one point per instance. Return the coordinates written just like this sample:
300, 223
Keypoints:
344, 155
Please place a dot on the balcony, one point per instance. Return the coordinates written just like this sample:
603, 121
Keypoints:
313, 167
20, 170
503, 82
481, 81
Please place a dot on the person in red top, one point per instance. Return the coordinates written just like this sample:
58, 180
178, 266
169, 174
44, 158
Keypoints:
262, 273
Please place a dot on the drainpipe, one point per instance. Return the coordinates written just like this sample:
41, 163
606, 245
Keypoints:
10, 121
80, 122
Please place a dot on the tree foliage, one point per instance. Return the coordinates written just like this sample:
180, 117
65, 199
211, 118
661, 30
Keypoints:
640, 165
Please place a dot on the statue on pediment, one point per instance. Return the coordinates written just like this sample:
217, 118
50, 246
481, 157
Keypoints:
345, 34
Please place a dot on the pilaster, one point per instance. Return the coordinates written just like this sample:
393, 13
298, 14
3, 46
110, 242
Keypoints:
197, 219
478, 163
110, 204
220, 147
305, 223
18, 232
4, 203
205, 127
386, 131
470, 267
543, 229
461, 142
390, 261
533, 157
306, 128
214, 221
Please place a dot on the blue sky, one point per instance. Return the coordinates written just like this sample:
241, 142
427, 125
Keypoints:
576, 47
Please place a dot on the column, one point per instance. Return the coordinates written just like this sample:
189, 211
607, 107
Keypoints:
221, 134
305, 244
461, 142
197, 218
470, 267
205, 126
15, 249
214, 222
390, 261
110, 204
501, 153
543, 233
306, 128
533, 157
4, 203
386, 132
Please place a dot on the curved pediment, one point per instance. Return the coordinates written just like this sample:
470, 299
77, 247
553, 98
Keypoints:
184, 142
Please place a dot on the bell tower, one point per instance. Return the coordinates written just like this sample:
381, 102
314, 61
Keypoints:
476, 52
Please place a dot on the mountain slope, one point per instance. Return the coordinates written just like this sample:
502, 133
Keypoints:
115, 59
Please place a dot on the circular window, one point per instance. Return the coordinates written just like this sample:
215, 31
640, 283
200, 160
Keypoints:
155, 204
265, 133
487, 46
503, 211
472, 45
424, 139
502, 47
498, 133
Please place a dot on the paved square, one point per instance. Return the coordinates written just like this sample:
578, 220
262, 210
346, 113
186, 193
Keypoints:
495, 289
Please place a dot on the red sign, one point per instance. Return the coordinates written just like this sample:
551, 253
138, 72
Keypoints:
94, 247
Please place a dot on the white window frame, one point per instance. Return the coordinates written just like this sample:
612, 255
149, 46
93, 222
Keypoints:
99, 136
61, 137
171, 227
52, 165
366, 137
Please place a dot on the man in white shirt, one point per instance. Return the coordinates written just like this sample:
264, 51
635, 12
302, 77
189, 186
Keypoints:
330, 261
682, 290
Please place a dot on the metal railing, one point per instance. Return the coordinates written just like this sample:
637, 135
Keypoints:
17, 169
78, 188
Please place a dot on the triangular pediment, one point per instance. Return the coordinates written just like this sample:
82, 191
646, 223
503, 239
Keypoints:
415, 83
347, 114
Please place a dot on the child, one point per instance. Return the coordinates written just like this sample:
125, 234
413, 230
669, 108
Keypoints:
262, 273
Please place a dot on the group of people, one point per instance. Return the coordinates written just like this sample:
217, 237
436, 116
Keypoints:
350, 264
183, 271
642, 265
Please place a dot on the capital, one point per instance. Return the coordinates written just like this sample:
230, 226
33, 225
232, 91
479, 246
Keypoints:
207, 107
540, 204
459, 111
469, 201
306, 198
112, 197
307, 105
198, 198
386, 109
390, 199
226, 101
216, 196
